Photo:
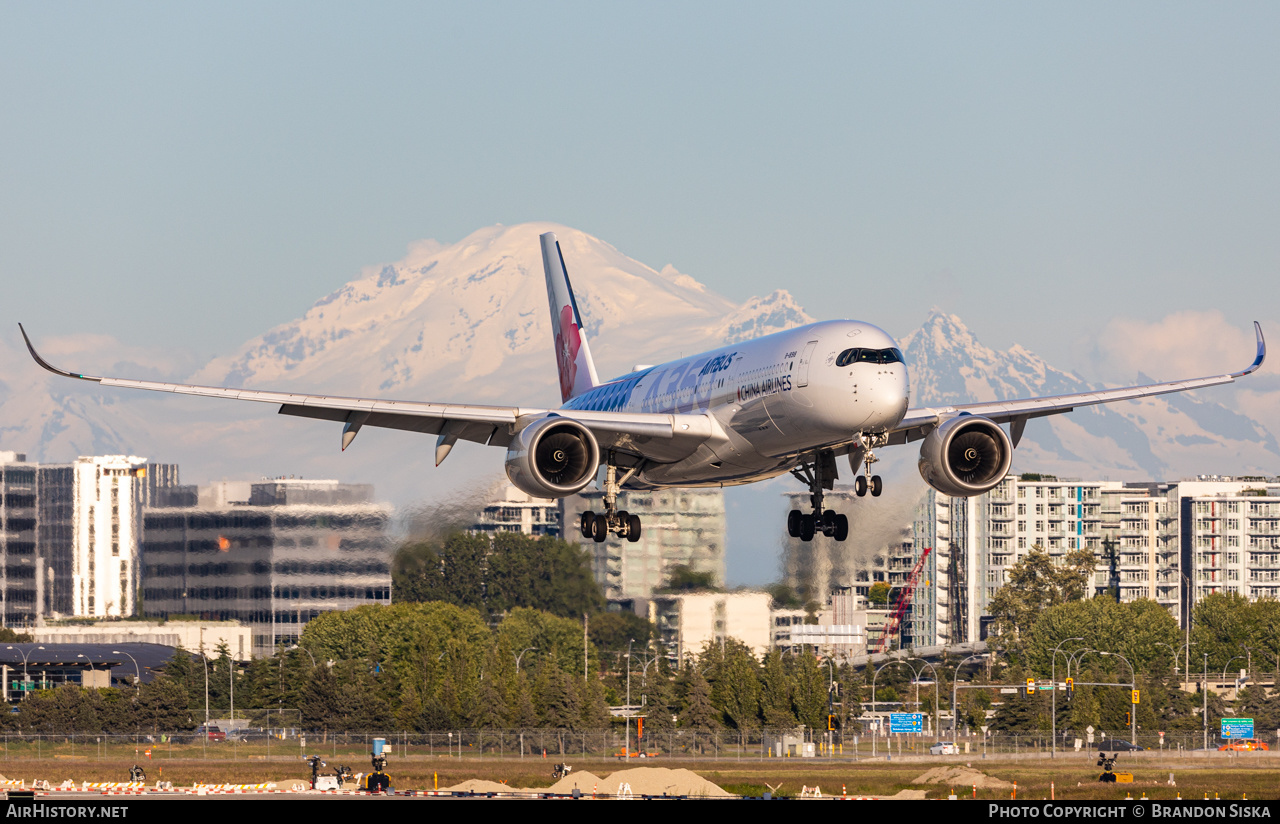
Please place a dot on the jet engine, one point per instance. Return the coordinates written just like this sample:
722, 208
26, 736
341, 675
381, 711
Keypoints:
553, 457
965, 456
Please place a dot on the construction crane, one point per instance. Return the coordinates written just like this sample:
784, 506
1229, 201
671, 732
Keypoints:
904, 602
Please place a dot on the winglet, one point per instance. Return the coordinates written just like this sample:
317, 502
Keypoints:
44, 363
1257, 361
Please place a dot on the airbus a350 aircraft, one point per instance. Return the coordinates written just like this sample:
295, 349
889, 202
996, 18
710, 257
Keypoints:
793, 401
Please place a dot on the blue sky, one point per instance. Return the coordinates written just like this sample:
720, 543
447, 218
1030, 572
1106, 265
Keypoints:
189, 175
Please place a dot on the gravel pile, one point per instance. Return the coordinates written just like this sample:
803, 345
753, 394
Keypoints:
961, 777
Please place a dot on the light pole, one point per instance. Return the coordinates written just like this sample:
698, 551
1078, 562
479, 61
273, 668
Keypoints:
521, 655
1133, 685
1053, 682
627, 748
137, 677
1204, 689
954, 712
935, 688
875, 734
1173, 650
1237, 681
26, 679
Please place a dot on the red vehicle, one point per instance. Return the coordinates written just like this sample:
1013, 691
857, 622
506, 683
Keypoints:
1244, 745
211, 732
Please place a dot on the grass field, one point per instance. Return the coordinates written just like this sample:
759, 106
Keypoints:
1073, 776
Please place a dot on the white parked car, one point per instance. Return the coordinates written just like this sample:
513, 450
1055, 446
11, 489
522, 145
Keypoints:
944, 748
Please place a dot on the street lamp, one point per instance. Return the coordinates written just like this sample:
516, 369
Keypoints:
26, 679
521, 655
954, 712
935, 688
1053, 682
875, 720
137, 677
1133, 685
1173, 650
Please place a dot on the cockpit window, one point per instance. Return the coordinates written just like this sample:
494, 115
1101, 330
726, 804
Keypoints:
849, 356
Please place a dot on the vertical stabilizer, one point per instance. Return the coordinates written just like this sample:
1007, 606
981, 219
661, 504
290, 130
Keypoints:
573, 356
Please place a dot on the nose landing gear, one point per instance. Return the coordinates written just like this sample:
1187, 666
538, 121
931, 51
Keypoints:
611, 521
866, 482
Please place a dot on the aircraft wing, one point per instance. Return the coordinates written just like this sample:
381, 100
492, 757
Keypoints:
492, 425
917, 423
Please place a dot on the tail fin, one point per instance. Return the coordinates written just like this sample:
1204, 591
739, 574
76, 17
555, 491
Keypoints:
573, 356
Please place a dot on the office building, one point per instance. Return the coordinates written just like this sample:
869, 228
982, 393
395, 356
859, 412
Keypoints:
272, 555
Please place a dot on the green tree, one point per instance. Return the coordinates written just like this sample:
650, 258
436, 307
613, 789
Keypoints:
878, 595
684, 578
612, 631
1036, 583
735, 683
775, 693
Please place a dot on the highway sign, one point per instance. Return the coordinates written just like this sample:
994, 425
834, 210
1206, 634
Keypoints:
906, 722
1237, 728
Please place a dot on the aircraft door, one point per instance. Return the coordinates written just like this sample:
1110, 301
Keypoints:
802, 369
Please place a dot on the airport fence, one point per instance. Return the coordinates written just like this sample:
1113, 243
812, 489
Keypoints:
541, 743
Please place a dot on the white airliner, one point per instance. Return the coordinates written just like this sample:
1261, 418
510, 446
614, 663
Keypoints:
792, 401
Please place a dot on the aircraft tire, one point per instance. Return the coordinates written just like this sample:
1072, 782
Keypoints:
829, 523
588, 521
807, 528
877, 486
633, 528
793, 523
860, 485
842, 527
599, 530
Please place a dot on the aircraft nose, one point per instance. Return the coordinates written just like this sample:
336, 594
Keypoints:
881, 391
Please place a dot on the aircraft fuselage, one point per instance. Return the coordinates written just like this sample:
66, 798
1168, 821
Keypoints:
778, 397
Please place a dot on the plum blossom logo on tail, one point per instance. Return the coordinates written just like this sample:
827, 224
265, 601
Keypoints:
568, 342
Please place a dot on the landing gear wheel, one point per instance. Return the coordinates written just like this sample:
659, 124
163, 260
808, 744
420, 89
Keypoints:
588, 521
599, 530
633, 528
877, 486
860, 485
842, 527
829, 523
793, 523
806, 527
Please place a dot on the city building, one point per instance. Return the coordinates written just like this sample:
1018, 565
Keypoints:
1229, 537
71, 533
272, 555
845, 628
1170, 542
689, 621
517, 511
19, 526
193, 636
681, 527
109, 492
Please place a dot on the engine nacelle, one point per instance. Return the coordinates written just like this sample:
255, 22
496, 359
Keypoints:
965, 456
553, 457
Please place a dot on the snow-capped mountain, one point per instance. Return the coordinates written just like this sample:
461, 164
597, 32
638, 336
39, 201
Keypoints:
469, 322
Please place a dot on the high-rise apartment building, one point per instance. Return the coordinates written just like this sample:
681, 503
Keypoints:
518, 511
71, 533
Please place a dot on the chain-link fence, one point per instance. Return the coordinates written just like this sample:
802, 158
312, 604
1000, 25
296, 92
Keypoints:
612, 744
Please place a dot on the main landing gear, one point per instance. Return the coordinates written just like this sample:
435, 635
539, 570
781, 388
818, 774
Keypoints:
611, 521
819, 475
